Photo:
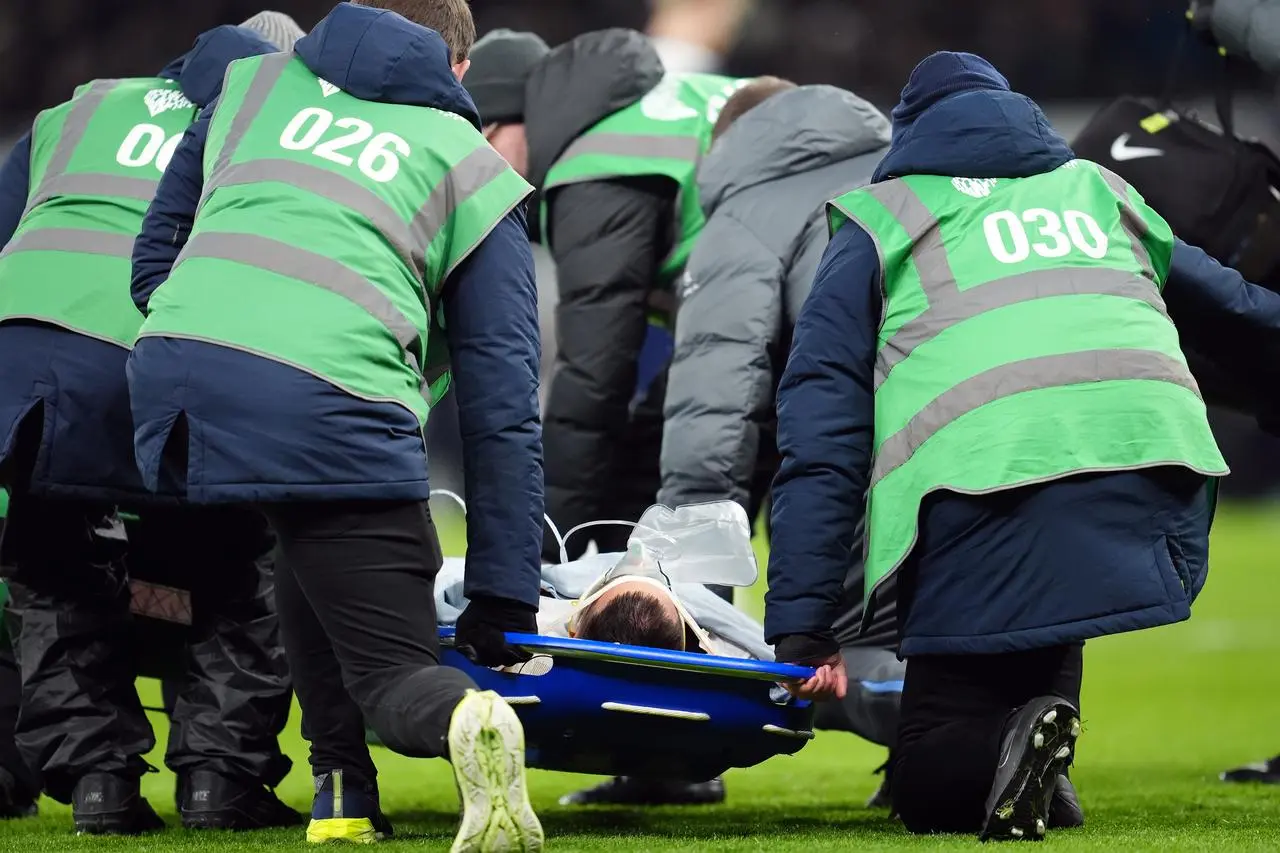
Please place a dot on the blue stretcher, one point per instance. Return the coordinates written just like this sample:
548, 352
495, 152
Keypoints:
615, 710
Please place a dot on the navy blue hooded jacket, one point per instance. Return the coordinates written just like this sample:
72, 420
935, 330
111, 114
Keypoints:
1030, 567
86, 450
261, 431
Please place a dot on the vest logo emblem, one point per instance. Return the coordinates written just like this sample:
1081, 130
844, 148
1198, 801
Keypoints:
327, 88
663, 102
163, 100
974, 187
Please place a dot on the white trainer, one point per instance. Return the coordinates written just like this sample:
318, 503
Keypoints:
486, 746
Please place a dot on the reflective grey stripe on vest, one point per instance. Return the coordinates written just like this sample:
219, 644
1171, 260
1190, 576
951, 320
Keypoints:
410, 240
292, 262
1134, 225
74, 127
81, 240
264, 80
948, 306
627, 145
99, 183
1050, 371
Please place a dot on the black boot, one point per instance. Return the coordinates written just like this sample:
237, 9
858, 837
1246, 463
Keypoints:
1064, 808
15, 800
1266, 772
635, 791
1037, 747
106, 804
883, 797
213, 801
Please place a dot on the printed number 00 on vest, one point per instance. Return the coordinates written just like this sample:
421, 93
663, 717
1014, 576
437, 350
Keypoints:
147, 144
1009, 244
379, 159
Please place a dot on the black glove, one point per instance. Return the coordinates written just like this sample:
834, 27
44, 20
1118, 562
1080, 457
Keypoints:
806, 649
482, 627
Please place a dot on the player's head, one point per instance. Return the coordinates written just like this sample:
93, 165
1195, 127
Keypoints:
747, 98
502, 63
450, 18
634, 613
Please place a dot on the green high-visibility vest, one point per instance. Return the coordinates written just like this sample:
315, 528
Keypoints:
665, 133
95, 164
327, 228
1024, 339
4, 503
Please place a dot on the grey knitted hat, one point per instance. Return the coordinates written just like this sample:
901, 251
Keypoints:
277, 28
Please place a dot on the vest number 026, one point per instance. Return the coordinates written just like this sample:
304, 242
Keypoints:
379, 159
1009, 244
147, 143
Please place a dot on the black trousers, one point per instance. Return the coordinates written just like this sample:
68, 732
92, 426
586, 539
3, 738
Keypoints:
74, 639
28, 787
954, 708
355, 592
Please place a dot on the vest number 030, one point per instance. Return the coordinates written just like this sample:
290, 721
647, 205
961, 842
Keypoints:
1009, 243
379, 159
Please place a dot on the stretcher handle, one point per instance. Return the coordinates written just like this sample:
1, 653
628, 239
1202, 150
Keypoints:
643, 656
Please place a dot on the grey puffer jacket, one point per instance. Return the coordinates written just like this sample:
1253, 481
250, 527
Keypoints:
764, 187
1250, 28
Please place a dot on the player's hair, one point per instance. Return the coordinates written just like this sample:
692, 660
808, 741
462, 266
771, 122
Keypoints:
751, 95
450, 18
634, 619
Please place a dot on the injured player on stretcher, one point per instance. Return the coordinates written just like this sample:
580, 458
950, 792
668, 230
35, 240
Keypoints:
626, 598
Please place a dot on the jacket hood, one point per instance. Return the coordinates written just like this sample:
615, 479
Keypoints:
958, 117
794, 131
578, 84
201, 70
376, 55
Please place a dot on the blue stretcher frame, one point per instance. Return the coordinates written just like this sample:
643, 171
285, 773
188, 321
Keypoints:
761, 670
668, 714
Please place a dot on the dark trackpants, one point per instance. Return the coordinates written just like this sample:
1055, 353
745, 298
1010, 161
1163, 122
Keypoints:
355, 593
10, 699
74, 633
954, 708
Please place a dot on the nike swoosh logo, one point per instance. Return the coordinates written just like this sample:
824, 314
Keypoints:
1121, 150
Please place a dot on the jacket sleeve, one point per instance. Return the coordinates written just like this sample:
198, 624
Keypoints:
1249, 28
826, 416
608, 239
15, 179
491, 322
1231, 328
720, 387
168, 222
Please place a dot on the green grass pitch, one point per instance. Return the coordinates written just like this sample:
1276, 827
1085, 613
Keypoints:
1164, 712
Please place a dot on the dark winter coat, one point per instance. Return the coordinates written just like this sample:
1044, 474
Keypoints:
1020, 569
76, 384
608, 238
260, 431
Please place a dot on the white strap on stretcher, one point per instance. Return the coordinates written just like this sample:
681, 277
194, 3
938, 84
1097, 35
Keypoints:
555, 531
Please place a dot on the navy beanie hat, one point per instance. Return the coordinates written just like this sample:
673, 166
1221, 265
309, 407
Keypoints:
940, 76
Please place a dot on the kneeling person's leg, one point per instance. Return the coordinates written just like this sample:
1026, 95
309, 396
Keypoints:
368, 570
